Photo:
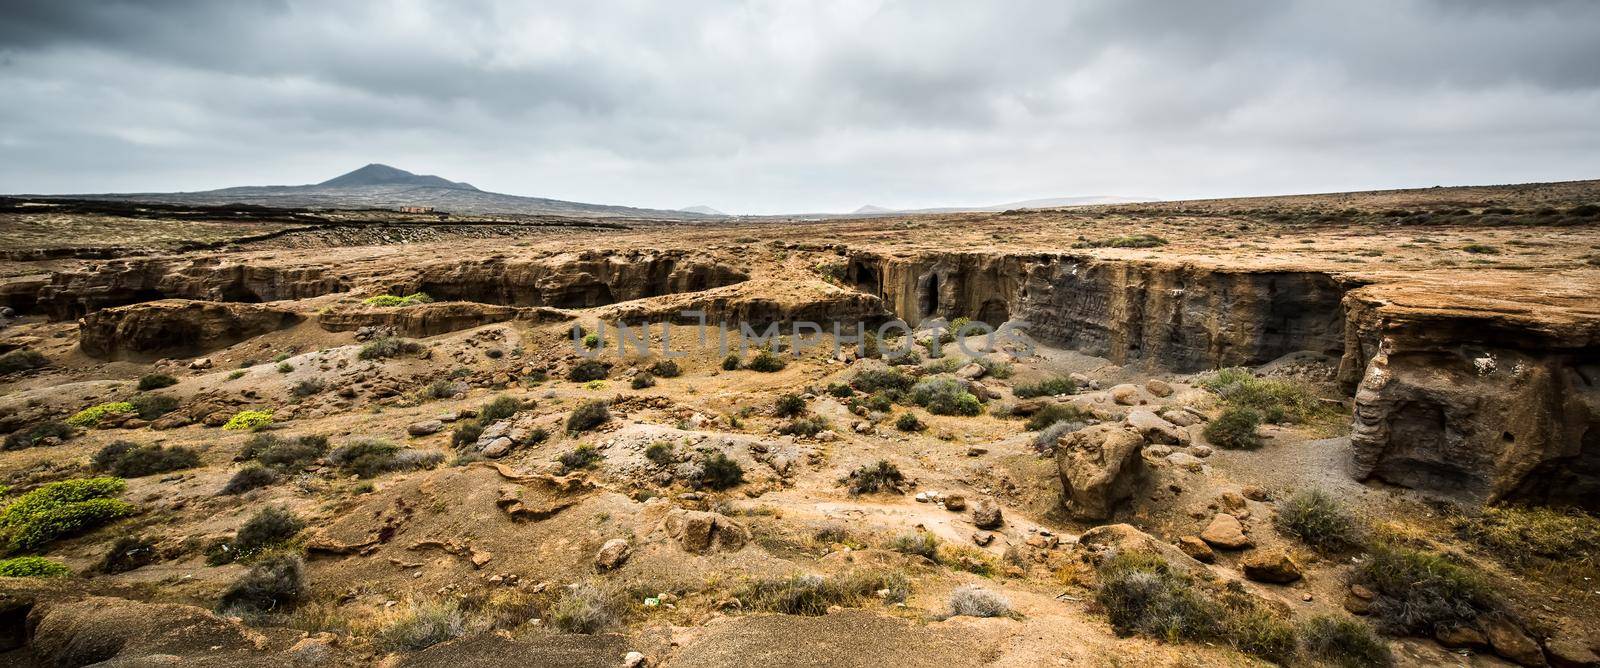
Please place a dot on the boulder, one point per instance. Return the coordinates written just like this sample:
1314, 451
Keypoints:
1358, 600
424, 427
613, 554
1568, 651
1272, 566
176, 327
1108, 539
986, 514
1511, 642
1100, 467
1459, 637
1124, 395
1157, 430
700, 532
1158, 387
1226, 533
1197, 549
970, 372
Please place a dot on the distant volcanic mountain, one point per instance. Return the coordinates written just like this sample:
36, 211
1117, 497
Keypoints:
378, 186
702, 209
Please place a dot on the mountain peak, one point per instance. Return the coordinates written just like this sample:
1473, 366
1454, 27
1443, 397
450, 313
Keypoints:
873, 208
702, 209
383, 175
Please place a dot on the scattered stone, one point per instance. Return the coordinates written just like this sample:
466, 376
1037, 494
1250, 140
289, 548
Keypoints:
498, 447
1100, 467
613, 554
425, 427
1358, 600
1460, 637
1186, 461
1201, 451
1272, 566
986, 514
1567, 651
1157, 430
955, 503
635, 660
1254, 493
200, 363
1196, 548
1124, 395
982, 538
1511, 642
700, 532
1158, 387
970, 372
1226, 533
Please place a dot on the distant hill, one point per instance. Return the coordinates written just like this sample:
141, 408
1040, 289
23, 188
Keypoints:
1046, 203
873, 208
383, 187
702, 209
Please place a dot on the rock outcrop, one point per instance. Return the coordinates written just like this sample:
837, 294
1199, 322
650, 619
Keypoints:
570, 280
73, 294
1100, 467
701, 532
432, 319
176, 327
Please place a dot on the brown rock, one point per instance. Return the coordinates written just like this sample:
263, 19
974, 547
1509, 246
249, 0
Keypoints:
1568, 651
986, 514
1158, 387
982, 538
613, 554
1157, 430
955, 503
1100, 467
1511, 642
179, 326
424, 428
1254, 493
700, 532
1124, 395
1225, 532
1272, 566
1460, 637
1194, 547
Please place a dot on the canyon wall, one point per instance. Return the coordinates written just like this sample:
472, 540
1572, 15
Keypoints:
582, 280
73, 294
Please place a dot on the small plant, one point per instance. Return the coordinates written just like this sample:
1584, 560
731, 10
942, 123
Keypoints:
1418, 591
874, 380
1319, 520
281, 357
388, 346
995, 368
587, 416
442, 388
908, 422
584, 608
236, 374
272, 584
92, 415
642, 380
788, 405
1344, 642
660, 453
1129, 241
253, 476
1533, 537
918, 543
579, 458
1277, 401
945, 396
466, 434
284, 454
307, 387
1044, 442
593, 341
840, 390
128, 553
588, 370
285, 367
155, 381
33, 567
1053, 414
720, 472
249, 421
873, 478
128, 460
34, 435
1235, 429
268, 528
730, 363
418, 625
812, 595
666, 368
499, 409
975, 601
392, 301
1481, 249
370, 457
1142, 595
22, 360
766, 361
1049, 387
804, 426
152, 406
60, 510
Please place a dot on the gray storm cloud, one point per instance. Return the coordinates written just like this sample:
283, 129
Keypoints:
765, 107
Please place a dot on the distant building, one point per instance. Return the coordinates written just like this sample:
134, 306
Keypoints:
415, 209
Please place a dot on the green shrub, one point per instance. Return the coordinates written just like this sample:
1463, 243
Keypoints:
1141, 240
804, 426
126, 554
249, 421
271, 585
1344, 642
666, 368
466, 433
1049, 387
766, 362
908, 422
840, 390
284, 454
307, 387
719, 472
61, 510
588, 370
1053, 414
388, 346
874, 380
788, 405
1235, 429
285, 367
253, 476
642, 380
730, 363
33, 435
236, 375
92, 415
945, 396
370, 457
882, 476
919, 543
22, 360
442, 388
269, 527
660, 453
1142, 595
593, 341
581, 457
1524, 537
812, 595
1277, 401
422, 624
152, 406
1481, 249
587, 416
33, 567
155, 381
975, 601
498, 409
128, 460
995, 368
392, 301
1319, 520
1417, 591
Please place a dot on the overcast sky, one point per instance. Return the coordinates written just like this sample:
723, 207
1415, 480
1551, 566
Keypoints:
767, 107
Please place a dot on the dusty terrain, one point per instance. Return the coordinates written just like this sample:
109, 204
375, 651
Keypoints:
1446, 343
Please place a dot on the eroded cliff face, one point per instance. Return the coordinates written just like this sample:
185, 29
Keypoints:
1184, 317
176, 326
1482, 406
580, 280
73, 294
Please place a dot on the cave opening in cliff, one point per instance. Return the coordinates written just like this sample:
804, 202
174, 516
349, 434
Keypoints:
239, 293
994, 313
928, 297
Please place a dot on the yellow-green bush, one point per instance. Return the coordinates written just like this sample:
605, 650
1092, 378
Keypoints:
33, 567
60, 510
92, 415
392, 301
249, 421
